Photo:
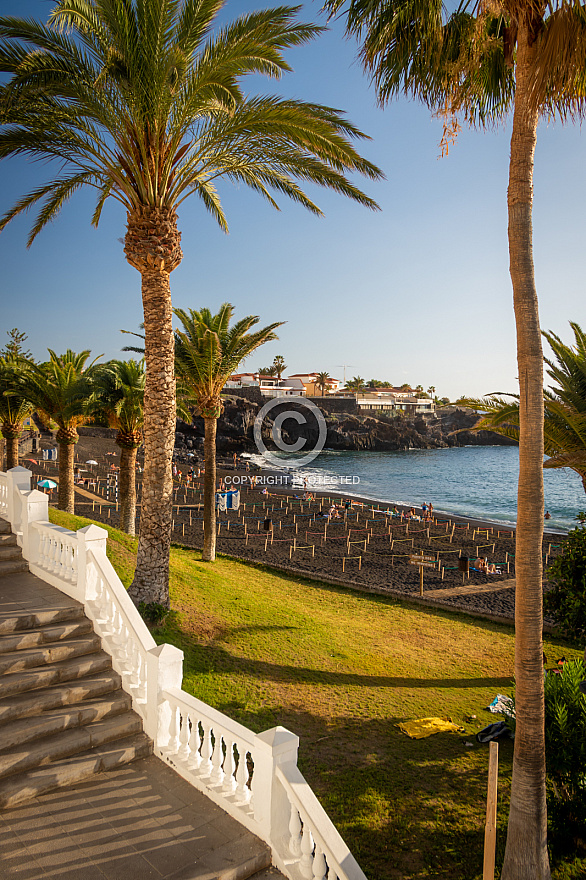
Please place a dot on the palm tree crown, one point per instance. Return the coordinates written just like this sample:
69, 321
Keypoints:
15, 405
564, 406
61, 391
137, 101
120, 396
208, 351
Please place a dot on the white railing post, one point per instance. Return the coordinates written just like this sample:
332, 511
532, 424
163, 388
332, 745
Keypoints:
164, 671
271, 806
35, 509
19, 481
89, 538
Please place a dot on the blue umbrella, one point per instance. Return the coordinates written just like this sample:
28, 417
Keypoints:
47, 484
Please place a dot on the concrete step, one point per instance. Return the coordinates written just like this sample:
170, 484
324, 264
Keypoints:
15, 734
45, 655
5, 528
8, 540
10, 552
33, 702
32, 638
67, 743
267, 874
238, 860
12, 566
55, 673
23, 786
16, 621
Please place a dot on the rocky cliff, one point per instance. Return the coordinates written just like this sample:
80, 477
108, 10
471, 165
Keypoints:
450, 427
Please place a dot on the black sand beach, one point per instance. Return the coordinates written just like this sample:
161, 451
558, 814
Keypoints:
363, 547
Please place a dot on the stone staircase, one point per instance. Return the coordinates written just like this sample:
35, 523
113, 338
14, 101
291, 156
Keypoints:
63, 713
65, 722
11, 559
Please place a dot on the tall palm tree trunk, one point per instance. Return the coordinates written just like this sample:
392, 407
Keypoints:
153, 247
209, 491
66, 443
11, 436
526, 855
128, 488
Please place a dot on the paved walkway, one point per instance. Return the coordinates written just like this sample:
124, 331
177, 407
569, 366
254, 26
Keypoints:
140, 822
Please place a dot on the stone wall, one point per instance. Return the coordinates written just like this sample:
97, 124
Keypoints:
336, 404
249, 392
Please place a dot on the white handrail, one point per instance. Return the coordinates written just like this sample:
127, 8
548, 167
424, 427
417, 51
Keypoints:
253, 777
313, 840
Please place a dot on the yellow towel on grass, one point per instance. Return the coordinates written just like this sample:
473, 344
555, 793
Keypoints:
422, 727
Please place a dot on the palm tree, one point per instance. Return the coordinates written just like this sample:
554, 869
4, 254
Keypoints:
431, 391
355, 384
564, 425
61, 391
120, 396
135, 99
15, 406
322, 381
279, 366
479, 62
207, 352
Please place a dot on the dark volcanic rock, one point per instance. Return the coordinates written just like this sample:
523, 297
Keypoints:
450, 427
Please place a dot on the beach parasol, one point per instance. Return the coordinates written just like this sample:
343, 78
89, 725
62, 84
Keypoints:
91, 461
47, 484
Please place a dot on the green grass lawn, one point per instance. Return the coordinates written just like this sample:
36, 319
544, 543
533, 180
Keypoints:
341, 669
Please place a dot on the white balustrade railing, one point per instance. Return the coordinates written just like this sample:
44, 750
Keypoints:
56, 550
122, 630
3, 495
253, 777
312, 844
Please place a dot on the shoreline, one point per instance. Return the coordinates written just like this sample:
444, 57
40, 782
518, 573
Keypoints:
288, 489
364, 548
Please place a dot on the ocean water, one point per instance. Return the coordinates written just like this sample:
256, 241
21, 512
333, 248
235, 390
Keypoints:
474, 481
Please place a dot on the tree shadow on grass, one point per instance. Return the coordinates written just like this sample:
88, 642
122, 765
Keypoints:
210, 657
406, 808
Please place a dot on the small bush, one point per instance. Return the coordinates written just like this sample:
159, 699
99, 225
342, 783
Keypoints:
566, 601
565, 748
153, 612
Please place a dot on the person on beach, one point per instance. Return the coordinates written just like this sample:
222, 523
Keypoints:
334, 512
547, 515
486, 567
430, 509
424, 510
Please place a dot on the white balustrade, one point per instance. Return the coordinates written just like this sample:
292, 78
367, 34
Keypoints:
56, 551
3, 495
314, 849
209, 749
254, 777
122, 630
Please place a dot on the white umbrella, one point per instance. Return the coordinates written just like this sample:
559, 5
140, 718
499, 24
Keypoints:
47, 484
91, 461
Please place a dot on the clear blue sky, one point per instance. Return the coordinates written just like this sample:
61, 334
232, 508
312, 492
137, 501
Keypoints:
418, 292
